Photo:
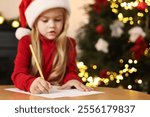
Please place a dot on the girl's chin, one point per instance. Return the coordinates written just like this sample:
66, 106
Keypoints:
50, 37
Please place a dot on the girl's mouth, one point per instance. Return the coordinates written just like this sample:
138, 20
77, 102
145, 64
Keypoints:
52, 32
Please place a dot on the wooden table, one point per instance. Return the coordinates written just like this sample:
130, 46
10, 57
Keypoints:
109, 94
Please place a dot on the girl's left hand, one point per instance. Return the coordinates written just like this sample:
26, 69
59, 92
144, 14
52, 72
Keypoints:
78, 85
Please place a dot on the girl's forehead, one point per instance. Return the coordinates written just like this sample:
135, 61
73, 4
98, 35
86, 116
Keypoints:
53, 12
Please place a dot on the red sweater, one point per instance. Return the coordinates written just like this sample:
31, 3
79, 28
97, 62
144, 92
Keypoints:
21, 75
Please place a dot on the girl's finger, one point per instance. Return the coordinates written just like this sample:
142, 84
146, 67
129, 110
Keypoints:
65, 86
35, 90
84, 87
45, 84
79, 87
42, 89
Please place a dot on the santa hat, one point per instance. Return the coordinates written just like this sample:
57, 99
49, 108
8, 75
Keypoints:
31, 9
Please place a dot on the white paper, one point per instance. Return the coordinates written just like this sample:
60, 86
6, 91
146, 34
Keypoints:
56, 93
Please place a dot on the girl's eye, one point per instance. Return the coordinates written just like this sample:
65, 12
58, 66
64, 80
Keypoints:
44, 20
57, 20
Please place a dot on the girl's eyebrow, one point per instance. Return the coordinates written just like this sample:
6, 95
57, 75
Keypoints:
44, 16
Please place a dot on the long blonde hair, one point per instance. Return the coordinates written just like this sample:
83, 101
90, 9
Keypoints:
60, 59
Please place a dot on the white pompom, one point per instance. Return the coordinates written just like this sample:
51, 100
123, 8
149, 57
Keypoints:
21, 32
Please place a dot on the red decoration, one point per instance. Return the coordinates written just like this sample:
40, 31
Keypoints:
142, 6
97, 8
100, 29
103, 73
139, 48
101, 2
98, 5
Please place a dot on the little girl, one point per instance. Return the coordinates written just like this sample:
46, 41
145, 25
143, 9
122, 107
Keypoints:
55, 52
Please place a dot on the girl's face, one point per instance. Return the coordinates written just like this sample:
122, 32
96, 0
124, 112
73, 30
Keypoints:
50, 23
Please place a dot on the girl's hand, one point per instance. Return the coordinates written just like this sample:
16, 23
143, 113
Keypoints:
78, 85
40, 86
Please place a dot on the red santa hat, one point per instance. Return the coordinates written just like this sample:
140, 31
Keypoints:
31, 9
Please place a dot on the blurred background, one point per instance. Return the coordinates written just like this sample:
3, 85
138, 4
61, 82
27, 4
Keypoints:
113, 42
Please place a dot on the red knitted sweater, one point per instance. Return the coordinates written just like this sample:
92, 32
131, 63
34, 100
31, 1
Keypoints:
21, 76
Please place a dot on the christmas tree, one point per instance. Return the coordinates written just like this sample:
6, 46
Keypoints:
115, 43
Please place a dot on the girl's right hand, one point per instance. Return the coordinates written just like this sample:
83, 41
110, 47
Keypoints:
40, 86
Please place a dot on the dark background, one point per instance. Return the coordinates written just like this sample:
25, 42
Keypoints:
8, 49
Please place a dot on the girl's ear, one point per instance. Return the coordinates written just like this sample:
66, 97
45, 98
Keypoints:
21, 32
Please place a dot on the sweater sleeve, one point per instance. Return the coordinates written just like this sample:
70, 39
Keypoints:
21, 75
71, 71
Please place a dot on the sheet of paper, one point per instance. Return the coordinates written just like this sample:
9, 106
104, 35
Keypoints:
56, 93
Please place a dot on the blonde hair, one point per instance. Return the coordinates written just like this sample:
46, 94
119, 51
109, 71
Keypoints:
60, 59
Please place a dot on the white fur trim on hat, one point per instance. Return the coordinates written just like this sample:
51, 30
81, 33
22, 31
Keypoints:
38, 6
21, 32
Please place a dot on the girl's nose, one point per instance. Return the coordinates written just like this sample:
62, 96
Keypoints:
51, 24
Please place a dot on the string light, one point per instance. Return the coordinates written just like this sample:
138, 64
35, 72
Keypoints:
130, 61
121, 61
128, 7
2, 19
84, 79
139, 81
147, 52
135, 61
118, 81
94, 66
96, 81
15, 24
129, 86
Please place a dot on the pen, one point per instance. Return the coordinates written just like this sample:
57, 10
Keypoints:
36, 61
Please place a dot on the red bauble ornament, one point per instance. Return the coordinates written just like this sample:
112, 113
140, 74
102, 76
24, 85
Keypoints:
142, 6
97, 8
99, 5
100, 29
139, 48
103, 73
101, 2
